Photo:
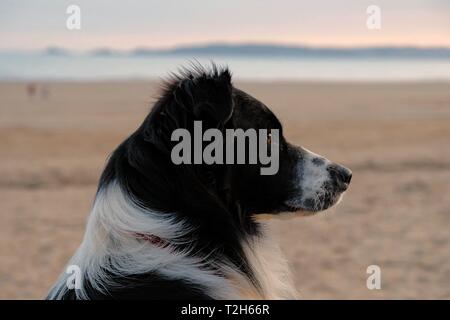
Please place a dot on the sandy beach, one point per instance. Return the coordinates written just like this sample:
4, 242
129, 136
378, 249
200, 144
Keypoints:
396, 214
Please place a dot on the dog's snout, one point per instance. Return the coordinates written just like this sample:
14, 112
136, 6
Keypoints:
341, 175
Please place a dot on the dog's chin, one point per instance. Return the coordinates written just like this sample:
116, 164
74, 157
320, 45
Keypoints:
290, 209
309, 208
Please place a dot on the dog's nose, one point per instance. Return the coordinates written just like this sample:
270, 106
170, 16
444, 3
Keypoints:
341, 175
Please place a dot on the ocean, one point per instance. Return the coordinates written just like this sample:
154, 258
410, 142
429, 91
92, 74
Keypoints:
42, 66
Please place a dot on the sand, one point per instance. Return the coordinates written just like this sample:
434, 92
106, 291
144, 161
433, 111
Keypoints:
396, 214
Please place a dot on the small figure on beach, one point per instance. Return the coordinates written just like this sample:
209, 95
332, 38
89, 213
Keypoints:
45, 91
31, 89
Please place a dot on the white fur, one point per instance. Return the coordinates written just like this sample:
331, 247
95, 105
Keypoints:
310, 179
110, 243
271, 269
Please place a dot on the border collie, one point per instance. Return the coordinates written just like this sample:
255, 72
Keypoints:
159, 230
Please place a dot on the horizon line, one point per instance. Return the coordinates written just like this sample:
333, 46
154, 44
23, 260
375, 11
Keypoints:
230, 44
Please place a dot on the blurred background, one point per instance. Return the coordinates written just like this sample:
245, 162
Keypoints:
366, 84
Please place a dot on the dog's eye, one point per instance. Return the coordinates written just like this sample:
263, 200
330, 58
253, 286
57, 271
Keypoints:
269, 138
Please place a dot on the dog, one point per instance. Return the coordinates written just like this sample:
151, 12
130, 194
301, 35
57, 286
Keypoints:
159, 230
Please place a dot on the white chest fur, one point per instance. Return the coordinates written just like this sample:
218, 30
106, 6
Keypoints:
271, 271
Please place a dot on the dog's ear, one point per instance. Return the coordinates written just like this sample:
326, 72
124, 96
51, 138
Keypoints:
207, 97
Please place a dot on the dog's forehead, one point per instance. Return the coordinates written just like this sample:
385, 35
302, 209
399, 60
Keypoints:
250, 112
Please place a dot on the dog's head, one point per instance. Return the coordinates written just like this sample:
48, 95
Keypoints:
301, 180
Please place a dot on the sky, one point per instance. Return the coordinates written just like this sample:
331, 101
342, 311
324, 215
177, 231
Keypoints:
163, 24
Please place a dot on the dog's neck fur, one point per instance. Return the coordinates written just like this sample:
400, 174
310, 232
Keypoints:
111, 247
